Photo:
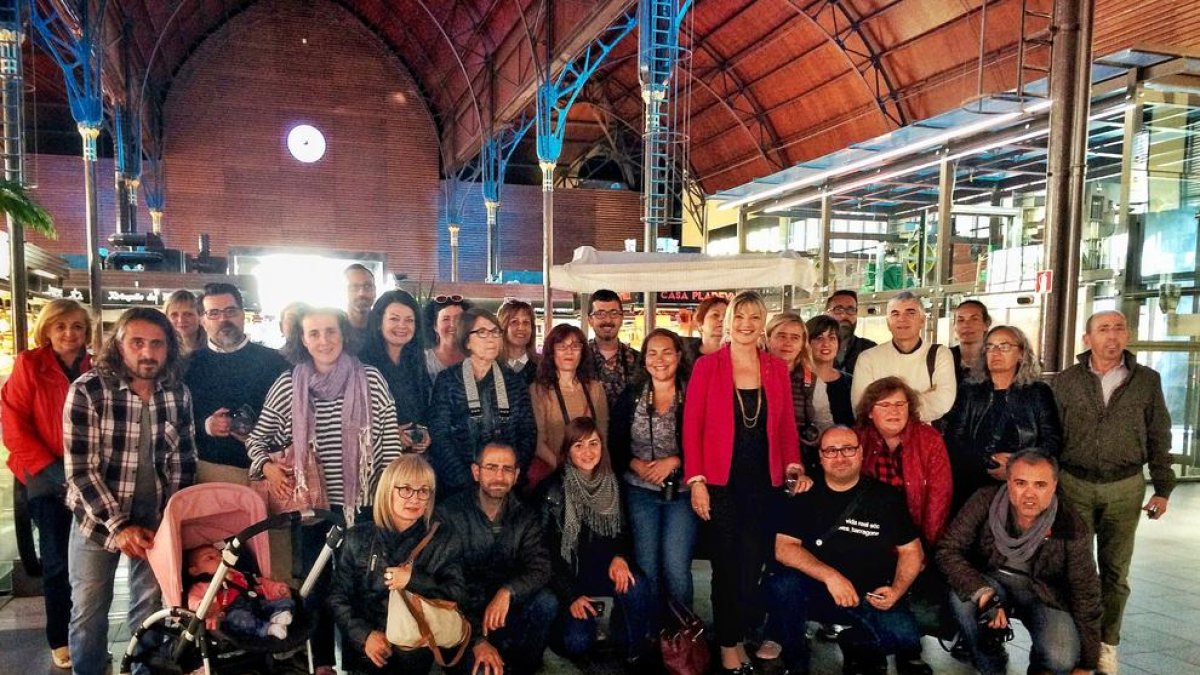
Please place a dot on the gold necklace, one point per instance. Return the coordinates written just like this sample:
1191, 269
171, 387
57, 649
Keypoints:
750, 422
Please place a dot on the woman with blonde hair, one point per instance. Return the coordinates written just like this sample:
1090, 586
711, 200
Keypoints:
32, 421
183, 309
739, 445
787, 339
374, 561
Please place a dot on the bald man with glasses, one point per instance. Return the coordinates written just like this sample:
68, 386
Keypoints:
847, 553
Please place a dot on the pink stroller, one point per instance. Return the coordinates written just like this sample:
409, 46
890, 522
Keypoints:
175, 639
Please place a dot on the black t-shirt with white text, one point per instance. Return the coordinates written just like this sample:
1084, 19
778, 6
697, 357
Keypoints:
863, 546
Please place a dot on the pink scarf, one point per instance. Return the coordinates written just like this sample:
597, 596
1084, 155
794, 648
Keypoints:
347, 380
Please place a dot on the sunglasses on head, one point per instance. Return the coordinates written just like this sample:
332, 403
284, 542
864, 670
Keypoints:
443, 299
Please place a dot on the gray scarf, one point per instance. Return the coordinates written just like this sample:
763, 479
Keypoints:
1020, 548
594, 501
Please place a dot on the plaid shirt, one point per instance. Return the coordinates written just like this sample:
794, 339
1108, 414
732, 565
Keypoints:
887, 468
615, 373
101, 430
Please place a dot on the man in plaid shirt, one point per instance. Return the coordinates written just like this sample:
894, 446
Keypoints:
129, 445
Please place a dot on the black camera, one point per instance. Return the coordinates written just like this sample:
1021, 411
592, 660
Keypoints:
670, 486
809, 434
242, 420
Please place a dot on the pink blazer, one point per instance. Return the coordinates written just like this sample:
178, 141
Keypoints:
708, 418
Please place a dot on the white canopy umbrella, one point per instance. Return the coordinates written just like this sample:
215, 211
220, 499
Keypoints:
591, 270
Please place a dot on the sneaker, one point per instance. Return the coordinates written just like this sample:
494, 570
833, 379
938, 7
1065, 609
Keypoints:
1108, 659
61, 656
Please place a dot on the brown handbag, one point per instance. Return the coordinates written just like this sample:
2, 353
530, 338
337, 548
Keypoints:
684, 650
415, 622
310, 496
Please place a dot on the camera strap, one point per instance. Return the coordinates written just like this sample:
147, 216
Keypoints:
844, 516
562, 403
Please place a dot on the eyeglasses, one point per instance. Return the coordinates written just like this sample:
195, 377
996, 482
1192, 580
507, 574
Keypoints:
607, 314
891, 404
1002, 347
568, 347
843, 450
443, 299
486, 332
506, 469
843, 309
423, 493
228, 312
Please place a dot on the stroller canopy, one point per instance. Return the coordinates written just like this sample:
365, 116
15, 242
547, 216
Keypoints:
199, 515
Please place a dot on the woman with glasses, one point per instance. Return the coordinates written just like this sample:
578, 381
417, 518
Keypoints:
520, 355
374, 561
441, 319
332, 405
902, 451
389, 346
183, 309
739, 444
1002, 407
824, 341
589, 548
646, 438
787, 339
32, 421
565, 388
475, 403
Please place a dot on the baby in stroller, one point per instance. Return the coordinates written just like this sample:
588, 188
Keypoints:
245, 604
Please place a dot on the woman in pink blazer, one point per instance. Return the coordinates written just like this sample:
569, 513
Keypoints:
739, 446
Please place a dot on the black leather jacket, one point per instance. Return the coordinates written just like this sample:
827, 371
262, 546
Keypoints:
509, 553
1032, 416
596, 549
358, 597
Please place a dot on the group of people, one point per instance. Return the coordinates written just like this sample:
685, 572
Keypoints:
838, 481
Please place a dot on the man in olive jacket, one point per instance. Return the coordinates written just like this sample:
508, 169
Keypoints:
1115, 421
1017, 543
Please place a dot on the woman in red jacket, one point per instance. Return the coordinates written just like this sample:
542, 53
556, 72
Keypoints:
904, 452
31, 418
739, 443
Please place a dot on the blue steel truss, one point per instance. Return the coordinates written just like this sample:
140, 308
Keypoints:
555, 97
77, 48
497, 150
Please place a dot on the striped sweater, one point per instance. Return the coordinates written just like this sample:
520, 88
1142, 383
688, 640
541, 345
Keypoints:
273, 432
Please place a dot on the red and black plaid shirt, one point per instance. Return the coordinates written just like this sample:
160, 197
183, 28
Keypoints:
886, 467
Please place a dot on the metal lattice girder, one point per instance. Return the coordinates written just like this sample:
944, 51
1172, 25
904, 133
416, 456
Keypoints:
78, 50
496, 152
555, 98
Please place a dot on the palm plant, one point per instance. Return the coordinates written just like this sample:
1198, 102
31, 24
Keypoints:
15, 201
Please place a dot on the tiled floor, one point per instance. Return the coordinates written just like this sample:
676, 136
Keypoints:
1161, 633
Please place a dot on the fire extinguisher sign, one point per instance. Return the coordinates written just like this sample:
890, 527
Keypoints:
1045, 282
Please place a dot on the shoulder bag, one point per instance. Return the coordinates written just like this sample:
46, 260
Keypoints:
309, 493
414, 621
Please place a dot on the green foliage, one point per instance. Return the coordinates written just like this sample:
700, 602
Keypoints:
15, 201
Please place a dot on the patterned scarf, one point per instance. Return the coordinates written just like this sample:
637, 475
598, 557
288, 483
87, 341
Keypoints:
594, 501
347, 380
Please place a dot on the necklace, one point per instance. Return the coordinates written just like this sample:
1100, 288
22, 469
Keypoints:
750, 422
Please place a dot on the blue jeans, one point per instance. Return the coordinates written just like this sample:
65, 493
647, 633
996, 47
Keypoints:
1052, 631
793, 598
573, 637
522, 640
664, 535
93, 571
54, 524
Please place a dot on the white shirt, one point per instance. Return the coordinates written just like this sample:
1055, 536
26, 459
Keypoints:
1111, 380
937, 393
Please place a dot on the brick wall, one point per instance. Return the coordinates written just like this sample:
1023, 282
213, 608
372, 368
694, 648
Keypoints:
377, 189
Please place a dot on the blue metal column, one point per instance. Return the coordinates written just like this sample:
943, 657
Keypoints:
494, 157
77, 48
14, 158
554, 100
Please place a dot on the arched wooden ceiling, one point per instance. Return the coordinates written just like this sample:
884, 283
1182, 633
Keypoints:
772, 82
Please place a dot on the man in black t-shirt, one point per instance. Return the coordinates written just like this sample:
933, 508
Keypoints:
848, 553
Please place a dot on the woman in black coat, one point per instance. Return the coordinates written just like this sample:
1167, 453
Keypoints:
1003, 407
372, 563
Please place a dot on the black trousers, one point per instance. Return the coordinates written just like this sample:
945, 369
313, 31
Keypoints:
741, 543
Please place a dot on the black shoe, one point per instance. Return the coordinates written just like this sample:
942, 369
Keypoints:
960, 651
856, 662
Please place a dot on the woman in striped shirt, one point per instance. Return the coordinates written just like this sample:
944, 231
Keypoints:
333, 405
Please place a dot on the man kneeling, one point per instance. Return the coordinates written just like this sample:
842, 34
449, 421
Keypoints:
849, 553
1012, 552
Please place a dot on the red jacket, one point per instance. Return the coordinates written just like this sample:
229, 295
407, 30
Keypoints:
31, 410
925, 465
708, 418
